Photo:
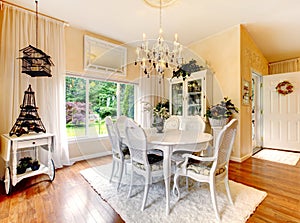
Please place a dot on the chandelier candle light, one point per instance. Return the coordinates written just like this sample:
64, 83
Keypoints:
160, 56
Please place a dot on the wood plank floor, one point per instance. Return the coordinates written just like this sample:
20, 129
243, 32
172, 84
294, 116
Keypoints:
69, 198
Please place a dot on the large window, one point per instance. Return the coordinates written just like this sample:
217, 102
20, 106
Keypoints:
100, 99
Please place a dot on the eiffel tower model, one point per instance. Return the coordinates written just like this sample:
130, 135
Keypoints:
28, 120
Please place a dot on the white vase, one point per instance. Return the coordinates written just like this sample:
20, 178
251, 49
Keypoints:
159, 124
218, 122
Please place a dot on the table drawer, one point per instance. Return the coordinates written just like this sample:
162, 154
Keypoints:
32, 142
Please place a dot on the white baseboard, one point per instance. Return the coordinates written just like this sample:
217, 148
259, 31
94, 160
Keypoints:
240, 159
90, 156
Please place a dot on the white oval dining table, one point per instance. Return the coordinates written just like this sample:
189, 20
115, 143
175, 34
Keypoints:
172, 140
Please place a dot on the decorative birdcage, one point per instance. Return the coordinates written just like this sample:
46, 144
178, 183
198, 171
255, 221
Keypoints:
28, 120
35, 62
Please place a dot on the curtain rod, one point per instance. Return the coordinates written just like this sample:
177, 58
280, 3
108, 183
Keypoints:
30, 10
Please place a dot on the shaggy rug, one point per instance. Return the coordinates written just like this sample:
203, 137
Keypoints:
279, 156
194, 206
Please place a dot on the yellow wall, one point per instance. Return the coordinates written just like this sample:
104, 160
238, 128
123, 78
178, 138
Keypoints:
75, 54
251, 60
232, 55
222, 53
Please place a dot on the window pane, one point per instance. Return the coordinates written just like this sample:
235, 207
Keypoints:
127, 100
75, 106
103, 102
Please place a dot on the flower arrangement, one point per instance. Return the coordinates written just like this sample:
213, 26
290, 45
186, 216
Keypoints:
224, 109
284, 87
162, 110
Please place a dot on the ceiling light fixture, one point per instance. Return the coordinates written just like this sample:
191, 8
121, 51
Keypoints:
159, 57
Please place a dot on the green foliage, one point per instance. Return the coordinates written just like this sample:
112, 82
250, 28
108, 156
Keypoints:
224, 109
127, 98
187, 69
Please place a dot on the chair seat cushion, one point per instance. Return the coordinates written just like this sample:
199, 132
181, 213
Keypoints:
155, 161
204, 168
126, 153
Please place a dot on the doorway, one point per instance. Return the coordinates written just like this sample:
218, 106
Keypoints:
256, 112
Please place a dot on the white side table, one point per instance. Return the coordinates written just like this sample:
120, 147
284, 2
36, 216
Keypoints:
11, 145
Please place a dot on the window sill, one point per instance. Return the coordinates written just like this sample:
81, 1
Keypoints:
86, 138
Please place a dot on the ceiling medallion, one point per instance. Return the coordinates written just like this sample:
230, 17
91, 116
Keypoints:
156, 3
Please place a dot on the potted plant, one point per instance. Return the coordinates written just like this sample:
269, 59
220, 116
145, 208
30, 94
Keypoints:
35, 165
219, 114
24, 163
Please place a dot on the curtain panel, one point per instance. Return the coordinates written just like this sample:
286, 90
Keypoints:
18, 30
286, 66
151, 91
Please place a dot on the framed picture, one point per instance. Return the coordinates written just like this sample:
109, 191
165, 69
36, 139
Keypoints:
246, 92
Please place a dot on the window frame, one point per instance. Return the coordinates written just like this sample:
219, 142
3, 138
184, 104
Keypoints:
87, 79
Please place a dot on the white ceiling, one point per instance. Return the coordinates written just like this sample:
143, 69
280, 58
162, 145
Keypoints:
273, 24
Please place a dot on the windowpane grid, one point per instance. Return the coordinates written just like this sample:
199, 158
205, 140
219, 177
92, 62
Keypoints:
104, 99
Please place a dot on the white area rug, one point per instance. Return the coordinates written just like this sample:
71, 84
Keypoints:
290, 158
194, 206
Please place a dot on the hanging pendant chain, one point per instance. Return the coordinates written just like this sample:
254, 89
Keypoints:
37, 24
160, 17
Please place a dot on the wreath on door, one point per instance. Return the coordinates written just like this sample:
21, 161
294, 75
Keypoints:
284, 87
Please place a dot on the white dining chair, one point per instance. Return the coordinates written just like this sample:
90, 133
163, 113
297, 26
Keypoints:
120, 124
121, 156
211, 170
143, 163
172, 123
192, 123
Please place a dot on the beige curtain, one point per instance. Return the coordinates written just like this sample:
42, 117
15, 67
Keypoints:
285, 66
151, 91
18, 30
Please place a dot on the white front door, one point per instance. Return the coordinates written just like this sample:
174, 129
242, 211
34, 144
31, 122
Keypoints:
281, 113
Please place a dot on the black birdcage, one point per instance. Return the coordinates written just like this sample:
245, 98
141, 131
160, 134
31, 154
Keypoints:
35, 62
28, 120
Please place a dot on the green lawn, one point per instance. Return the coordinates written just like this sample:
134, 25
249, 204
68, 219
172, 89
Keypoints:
95, 129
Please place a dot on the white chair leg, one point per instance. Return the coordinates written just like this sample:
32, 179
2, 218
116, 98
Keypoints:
187, 183
120, 174
131, 182
228, 190
147, 182
214, 200
112, 170
176, 187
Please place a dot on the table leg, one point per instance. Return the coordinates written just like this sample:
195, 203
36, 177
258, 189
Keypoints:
167, 176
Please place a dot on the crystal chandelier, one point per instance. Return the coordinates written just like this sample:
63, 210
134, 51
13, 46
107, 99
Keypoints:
160, 56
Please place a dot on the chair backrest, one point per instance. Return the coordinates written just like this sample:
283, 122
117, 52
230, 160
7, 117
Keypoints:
172, 123
120, 125
137, 142
113, 136
224, 143
193, 123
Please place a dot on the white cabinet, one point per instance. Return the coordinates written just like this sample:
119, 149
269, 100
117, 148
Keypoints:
39, 143
190, 96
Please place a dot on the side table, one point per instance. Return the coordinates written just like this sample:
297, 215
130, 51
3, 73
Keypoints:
11, 145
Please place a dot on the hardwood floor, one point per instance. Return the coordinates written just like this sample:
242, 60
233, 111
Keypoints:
69, 198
